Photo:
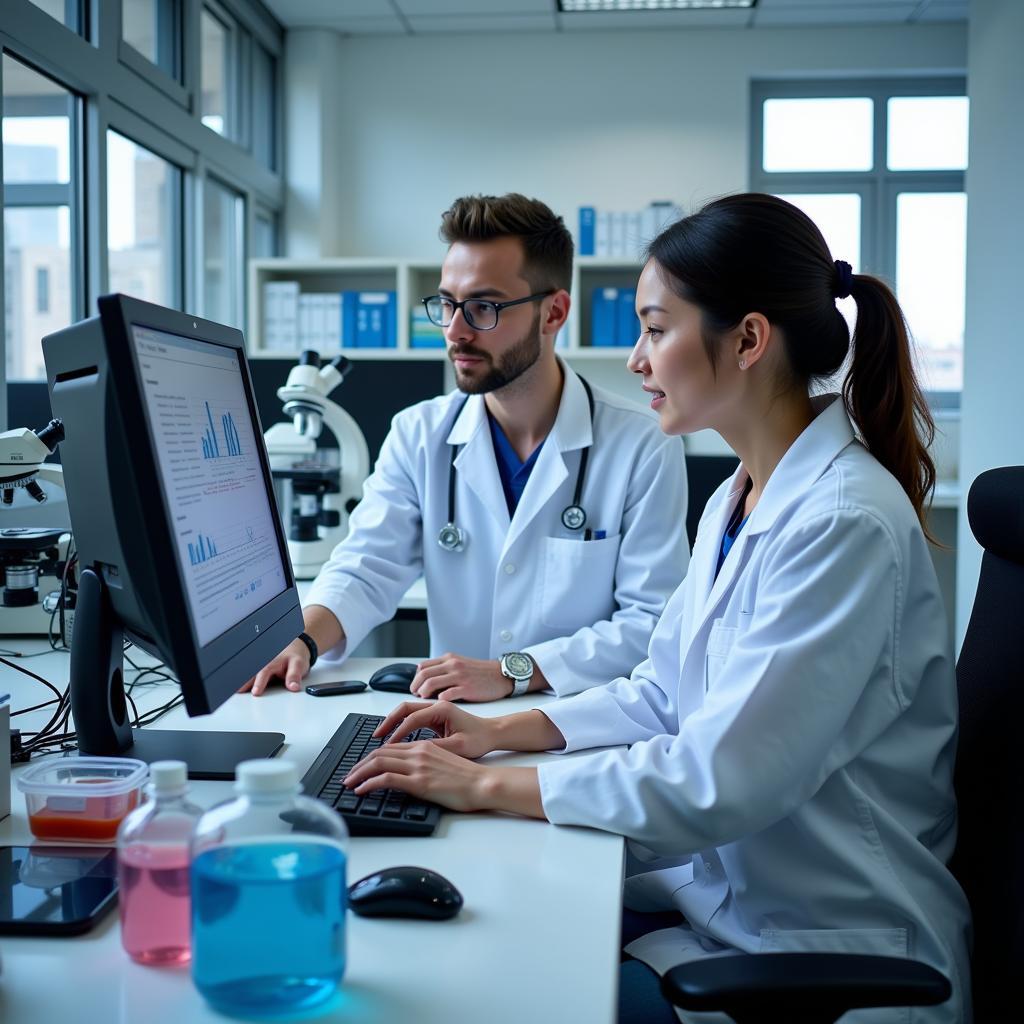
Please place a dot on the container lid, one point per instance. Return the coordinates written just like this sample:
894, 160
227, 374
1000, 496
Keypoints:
105, 776
266, 775
168, 776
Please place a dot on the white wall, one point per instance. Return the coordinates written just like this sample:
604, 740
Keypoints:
314, 156
393, 128
611, 119
992, 427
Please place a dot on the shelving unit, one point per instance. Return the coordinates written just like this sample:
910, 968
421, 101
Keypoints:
411, 280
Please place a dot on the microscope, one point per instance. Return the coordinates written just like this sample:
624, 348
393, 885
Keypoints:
31, 558
317, 487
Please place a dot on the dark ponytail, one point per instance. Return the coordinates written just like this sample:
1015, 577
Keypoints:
757, 253
882, 393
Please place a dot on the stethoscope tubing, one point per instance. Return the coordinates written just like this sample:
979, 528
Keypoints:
574, 516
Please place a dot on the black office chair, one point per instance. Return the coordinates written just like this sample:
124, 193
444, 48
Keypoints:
818, 988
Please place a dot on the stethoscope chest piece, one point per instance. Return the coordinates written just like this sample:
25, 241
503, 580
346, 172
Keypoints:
451, 538
573, 517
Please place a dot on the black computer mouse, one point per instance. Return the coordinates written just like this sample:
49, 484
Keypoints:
395, 678
405, 892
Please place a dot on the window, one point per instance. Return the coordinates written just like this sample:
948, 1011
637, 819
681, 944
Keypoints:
223, 219
264, 236
68, 12
216, 68
42, 289
153, 28
143, 223
182, 205
39, 116
264, 111
879, 166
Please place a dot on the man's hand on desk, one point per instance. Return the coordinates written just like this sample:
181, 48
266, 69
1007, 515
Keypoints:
291, 665
454, 677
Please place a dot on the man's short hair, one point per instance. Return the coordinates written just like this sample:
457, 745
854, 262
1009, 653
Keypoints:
547, 244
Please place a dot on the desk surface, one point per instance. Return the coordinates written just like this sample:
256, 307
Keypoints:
537, 940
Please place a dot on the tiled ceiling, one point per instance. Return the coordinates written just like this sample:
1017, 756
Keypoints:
420, 17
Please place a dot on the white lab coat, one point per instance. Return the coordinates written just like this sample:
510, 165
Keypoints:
584, 610
789, 783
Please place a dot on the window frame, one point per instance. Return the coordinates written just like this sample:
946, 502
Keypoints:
132, 97
31, 195
168, 75
878, 187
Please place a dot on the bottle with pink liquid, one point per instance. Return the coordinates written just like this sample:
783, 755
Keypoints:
153, 869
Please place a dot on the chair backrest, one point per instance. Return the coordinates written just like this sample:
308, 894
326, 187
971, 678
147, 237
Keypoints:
989, 858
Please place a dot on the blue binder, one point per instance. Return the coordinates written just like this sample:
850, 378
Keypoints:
588, 220
627, 323
603, 315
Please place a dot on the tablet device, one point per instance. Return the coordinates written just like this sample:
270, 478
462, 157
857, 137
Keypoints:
55, 890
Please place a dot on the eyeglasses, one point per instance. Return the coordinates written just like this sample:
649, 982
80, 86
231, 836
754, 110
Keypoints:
480, 314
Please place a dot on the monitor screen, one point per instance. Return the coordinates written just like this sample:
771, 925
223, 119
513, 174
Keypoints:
180, 545
213, 486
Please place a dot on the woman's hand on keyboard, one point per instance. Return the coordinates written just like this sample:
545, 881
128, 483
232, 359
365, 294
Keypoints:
424, 770
457, 730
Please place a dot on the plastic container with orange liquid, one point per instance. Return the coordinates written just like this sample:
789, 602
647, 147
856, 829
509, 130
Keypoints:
81, 799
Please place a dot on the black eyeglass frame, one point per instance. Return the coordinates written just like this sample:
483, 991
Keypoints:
497, 306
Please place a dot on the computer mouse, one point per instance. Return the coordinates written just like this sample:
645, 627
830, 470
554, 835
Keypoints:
395, 678
405, 892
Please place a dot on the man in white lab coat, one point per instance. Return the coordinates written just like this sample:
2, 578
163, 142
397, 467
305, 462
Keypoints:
547, 516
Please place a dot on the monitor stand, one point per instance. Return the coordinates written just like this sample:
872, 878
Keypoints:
100, 710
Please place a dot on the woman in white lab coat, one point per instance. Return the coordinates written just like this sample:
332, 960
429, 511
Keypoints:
788, 780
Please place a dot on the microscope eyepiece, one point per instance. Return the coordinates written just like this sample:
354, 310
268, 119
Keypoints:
309, 357
342, 364
52, 434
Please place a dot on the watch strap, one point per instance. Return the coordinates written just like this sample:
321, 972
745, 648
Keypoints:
314, 651
520, 684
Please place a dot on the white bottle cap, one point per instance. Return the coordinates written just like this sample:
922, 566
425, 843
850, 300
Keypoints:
168, 776
266, 775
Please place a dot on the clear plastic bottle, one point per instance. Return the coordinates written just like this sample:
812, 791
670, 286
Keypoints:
153, 869
269, 896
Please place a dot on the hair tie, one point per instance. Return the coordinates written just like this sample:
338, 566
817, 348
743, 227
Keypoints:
844, 279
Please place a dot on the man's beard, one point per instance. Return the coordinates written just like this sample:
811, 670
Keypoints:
513, 363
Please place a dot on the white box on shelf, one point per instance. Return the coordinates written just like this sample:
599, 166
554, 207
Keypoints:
634, 240
602, 234
617, 234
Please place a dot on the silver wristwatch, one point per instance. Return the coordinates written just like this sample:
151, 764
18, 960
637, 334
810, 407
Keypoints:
519, 668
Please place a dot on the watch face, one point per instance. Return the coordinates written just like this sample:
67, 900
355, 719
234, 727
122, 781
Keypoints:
519, 665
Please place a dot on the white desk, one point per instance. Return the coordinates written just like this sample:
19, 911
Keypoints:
537, 940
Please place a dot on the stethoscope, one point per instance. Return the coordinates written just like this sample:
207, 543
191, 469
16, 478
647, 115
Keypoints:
574, 516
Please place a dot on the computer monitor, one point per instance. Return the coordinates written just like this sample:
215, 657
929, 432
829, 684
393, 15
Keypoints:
179, 540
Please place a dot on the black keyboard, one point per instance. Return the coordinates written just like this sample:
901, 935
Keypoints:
385, 812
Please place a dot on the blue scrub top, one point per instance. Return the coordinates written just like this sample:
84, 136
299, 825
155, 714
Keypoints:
732, 531
513, 472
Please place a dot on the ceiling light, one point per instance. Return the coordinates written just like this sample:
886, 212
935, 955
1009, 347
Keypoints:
581, 6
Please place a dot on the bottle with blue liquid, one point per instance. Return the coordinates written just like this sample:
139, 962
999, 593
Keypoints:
268, 897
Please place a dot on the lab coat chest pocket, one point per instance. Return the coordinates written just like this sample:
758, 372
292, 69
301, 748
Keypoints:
578, 581
720, 641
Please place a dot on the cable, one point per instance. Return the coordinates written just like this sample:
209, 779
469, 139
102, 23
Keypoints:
25, 671
134, 708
